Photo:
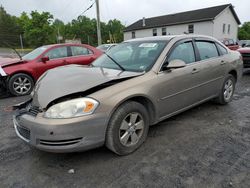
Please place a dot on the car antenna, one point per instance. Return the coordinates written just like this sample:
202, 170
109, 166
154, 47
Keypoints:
13, 49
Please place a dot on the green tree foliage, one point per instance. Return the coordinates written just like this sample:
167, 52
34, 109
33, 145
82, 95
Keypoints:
39, 29
9, 29
244, 31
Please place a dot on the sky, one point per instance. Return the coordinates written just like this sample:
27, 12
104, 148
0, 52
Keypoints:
127, 11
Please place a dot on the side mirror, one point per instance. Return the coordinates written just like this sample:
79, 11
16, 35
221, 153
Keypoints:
174, 64
44, 59
243, 45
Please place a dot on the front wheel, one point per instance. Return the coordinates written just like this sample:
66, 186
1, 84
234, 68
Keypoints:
227, 90
20, 84
128, 128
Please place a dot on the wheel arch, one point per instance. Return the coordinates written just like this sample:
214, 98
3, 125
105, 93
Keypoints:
149, 105
234, 74
22, 72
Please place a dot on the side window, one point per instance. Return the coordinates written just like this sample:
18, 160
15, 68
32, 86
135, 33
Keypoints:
164, 31
222, 49
191, 28
184, 52
231, 42
78, 50
224, 28
154, 32
133, 35
207, 49
56, 53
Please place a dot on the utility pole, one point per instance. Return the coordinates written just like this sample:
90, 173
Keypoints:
21, 42
98, 25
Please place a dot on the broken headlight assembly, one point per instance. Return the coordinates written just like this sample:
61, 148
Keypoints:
72, 108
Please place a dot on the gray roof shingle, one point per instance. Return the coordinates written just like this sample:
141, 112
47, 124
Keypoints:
199, 15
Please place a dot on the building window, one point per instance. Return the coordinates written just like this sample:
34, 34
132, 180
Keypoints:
224, 28
154, 32
133, 35
191, 28
228, 29
164, 31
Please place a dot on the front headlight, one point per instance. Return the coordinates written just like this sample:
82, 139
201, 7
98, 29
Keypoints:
72, 108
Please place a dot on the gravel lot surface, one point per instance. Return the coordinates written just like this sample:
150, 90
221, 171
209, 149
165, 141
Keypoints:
208, 146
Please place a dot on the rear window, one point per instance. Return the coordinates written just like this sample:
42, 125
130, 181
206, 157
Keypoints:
206, 49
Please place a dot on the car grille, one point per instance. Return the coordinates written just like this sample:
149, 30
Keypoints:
246, 54
24, 132
33, 110
60, 142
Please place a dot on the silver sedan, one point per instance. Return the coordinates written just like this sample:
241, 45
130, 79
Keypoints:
138, 83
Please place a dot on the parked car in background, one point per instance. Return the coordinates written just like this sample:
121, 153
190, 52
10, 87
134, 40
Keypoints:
19, 75
106, 47
244, 43
245, 52
134, 85
231, 44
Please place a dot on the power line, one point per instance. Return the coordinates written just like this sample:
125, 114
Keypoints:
87, 9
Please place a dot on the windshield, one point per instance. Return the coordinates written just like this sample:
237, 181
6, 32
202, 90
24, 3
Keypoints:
32, 55
137, 56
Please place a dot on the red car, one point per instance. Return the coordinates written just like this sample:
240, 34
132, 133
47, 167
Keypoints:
245, 52
19, 75
231, 44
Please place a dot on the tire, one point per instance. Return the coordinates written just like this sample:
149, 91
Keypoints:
128, 128
20, 84
227, 90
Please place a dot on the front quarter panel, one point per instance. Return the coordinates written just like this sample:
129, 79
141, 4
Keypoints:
112, 97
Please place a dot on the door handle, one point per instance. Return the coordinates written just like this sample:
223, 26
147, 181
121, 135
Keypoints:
222, 62
195, 70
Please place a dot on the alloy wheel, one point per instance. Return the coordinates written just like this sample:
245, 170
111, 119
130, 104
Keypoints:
131, 129
228, 90
22, 85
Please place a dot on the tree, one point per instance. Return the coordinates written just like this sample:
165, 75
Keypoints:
37, 29
116, 28
244, 31
9, 29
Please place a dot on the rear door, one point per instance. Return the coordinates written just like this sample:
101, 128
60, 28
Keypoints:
80, 55
212, 64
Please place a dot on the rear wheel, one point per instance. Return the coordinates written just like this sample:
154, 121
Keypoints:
227, 90
20, 84
128, 128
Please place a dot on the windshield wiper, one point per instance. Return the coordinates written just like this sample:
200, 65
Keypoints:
121, 67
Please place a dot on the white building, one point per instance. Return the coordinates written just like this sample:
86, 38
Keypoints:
220, 22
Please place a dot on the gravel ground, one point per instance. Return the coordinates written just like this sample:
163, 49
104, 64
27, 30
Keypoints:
208, 146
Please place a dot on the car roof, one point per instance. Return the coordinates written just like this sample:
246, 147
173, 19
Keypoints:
169, 37
63, 44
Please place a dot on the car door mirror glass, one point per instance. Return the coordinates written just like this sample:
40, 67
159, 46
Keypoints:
44, 59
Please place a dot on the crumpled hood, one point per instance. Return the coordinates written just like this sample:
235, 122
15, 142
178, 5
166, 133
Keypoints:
9, 61
66, 80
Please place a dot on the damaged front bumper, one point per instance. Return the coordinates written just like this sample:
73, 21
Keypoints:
3, 77
59, 135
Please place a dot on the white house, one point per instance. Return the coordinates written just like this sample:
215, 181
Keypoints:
219, 22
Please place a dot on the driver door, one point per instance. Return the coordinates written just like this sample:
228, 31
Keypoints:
179, 88
57, 57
